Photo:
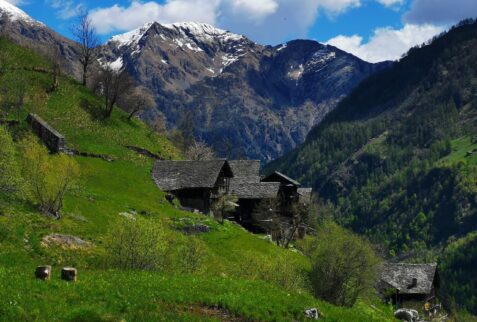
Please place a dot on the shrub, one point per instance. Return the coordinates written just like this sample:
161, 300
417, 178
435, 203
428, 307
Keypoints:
48, 178
148, 245
343, 265
10, 177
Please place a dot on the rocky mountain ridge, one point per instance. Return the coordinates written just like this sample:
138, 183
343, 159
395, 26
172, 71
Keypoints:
248, 100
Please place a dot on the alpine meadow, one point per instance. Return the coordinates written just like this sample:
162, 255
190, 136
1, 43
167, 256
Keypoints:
155, 166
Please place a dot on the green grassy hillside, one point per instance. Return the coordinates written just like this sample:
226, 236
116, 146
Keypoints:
226, 274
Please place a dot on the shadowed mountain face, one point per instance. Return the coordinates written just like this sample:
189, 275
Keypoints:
247, 100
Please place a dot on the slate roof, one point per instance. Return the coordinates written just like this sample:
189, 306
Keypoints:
176, 175
245, 168
399, 276
258, 190
282, 178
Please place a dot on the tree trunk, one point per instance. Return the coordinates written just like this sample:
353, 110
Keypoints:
85, 71
132, 114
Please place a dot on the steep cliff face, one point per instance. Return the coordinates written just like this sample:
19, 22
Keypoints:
247, 99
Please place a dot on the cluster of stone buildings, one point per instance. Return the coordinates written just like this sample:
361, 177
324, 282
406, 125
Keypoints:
196, 184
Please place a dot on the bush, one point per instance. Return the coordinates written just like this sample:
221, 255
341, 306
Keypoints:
10, 177
343, 265
48, 178
142, 244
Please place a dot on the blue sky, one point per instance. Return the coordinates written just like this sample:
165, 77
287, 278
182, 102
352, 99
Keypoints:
374, 30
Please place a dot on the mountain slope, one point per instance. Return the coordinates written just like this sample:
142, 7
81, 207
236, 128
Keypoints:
25, 31
397, 157
204, 277
261, 101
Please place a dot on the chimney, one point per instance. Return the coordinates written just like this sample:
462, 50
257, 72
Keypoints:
413, 283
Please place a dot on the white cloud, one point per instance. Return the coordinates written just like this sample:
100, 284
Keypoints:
66, 9
15, 2
266, 21
257, 9
386, 43
391, 3
118, 18
441, 11
338, 6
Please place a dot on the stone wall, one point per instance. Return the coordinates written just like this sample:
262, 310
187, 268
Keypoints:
48, 135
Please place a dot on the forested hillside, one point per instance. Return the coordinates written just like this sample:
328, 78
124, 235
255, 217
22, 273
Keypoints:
397, 160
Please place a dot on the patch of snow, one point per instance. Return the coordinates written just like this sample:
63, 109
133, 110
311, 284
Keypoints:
203, 31
196, 49
211, 70
295, 73
131, 37
15, 13
164, 62
283, 46
117, 65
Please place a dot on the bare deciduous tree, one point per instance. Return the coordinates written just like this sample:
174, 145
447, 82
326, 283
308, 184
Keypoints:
199, 151
269, 214
54, 56
85, 34
158, 125
139, 99
113, 85
223, 206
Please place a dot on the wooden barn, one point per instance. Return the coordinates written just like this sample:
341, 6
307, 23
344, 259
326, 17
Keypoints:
408, 285
195, 183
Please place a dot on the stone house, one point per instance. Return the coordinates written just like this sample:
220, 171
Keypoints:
409, 284
197, 183
194, 183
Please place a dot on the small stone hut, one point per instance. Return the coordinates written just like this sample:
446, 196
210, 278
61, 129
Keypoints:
403, 283
53, 140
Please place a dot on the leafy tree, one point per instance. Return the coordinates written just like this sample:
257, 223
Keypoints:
343, 265
223, 206
48, 178
10, 177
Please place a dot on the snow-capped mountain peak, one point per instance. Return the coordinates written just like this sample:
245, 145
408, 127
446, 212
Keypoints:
15, 13
183, 30
203, 31
132, 37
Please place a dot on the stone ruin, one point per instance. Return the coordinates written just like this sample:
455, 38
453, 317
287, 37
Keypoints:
48, 135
